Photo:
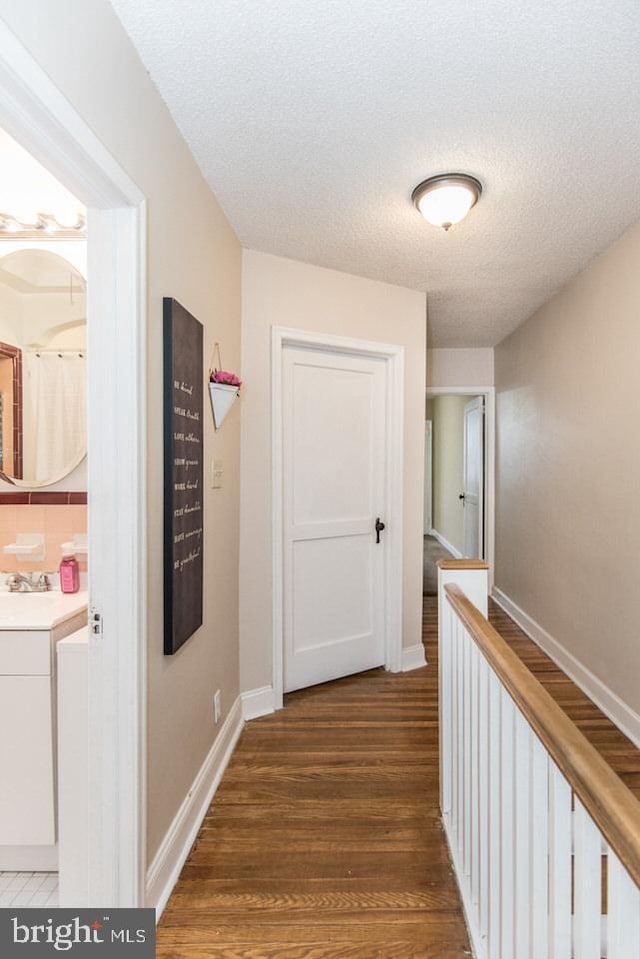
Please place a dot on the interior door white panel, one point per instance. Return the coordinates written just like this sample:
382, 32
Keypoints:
334, 447
331, 590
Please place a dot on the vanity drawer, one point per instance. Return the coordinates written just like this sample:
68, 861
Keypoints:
25, 652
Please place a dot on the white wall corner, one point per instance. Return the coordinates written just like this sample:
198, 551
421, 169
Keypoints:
167, 864
622, 715
413, 657
258, 702
446, 544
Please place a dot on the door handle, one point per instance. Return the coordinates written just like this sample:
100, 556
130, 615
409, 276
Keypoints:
379, 528
462, 496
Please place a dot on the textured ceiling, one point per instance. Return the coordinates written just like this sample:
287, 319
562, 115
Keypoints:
312, 120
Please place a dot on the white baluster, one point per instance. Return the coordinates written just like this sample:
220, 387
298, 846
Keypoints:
467, 756
522, 833
445, 678
560, 847
587, 882
539, 823
495, 823
623, 911
484, 736
507, 871
460, 744
455, 745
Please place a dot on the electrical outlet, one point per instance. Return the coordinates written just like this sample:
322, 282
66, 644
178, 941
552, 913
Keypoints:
216, 707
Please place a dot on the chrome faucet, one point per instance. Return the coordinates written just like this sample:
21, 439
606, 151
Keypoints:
28, 583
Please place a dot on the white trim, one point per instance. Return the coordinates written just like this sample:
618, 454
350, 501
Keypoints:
489, 392
167, 863
258, 702
394, 354
625, 718
446, 544
428, 476
475, 404
413, 657
38, 115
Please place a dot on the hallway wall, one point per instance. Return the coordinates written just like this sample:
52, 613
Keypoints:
282, 292
447, 414
194, 256
568, 468
471, 367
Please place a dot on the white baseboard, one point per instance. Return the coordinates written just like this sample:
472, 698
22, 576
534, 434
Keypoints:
258, 702
413, 657
446, 544
611, 705
163, 872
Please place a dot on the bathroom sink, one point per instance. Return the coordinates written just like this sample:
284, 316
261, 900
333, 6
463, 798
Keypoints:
39, 610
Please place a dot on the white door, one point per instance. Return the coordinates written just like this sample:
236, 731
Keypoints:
334, 451
473, 492
428, 524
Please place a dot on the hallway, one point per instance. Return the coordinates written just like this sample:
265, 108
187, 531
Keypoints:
324, 840
432, 552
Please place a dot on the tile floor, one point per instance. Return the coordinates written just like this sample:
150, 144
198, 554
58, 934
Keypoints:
28, 889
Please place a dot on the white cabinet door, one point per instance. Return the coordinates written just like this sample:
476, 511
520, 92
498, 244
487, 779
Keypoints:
26, 762
334, 451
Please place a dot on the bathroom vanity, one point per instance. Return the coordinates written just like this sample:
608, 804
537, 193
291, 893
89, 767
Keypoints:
31, 624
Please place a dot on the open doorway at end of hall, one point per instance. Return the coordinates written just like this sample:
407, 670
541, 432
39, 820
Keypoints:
455, 481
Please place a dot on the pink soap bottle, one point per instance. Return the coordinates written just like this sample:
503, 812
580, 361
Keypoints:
69, 575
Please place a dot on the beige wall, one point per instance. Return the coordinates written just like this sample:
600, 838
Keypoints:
280, 292
447, 416
194, 256
568, 467
460, 367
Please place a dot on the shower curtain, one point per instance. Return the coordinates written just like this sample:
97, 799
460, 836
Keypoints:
54, 414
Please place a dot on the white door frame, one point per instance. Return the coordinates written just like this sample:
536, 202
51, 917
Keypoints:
428, 477
477, 403
37, 114
489, 394
282, 337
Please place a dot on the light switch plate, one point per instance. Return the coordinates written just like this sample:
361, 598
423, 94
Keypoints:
217, 471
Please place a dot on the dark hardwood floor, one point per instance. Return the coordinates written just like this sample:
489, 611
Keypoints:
324, 839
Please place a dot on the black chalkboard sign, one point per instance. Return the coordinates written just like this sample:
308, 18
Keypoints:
183, 475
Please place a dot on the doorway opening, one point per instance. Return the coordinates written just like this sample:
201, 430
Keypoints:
458, 507
38, 117
43, 534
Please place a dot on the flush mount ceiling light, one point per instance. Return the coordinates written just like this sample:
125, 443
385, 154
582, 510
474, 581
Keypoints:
447, 198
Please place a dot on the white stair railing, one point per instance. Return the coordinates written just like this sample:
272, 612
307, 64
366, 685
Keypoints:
544, 837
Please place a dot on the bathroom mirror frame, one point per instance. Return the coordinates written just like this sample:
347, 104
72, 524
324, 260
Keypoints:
15, 353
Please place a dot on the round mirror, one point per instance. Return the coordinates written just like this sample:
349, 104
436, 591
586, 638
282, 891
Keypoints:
42, 367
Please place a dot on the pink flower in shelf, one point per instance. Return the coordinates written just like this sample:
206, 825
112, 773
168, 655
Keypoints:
226, 378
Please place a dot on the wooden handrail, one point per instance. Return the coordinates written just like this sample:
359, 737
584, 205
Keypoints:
611, 805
